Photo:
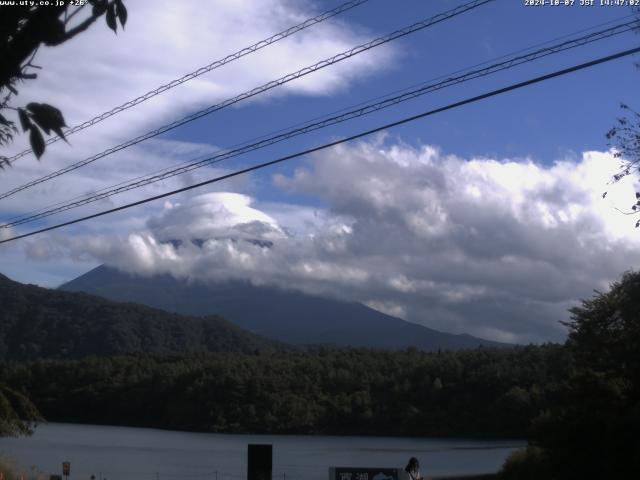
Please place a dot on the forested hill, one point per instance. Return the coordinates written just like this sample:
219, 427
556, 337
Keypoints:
481, 392
41, 323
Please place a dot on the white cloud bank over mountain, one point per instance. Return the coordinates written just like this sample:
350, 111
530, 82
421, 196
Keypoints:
498, 249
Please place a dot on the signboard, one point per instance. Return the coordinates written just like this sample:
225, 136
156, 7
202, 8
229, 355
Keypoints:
259, 462
66, 468
363, 473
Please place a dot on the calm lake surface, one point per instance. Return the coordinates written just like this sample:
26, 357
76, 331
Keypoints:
123, 453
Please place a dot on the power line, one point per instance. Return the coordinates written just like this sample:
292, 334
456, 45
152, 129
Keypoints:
200, 71
204, 160
287, 134
260, 166
425, 88
267, 86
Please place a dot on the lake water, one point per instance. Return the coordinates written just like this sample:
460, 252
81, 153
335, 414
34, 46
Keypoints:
123, 453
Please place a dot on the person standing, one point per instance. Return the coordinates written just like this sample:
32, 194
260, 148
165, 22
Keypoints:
413, 469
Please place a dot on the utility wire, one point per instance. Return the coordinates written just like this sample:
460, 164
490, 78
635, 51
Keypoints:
267, 86
196, 73
173, 171
260, 166
324, 116
169, 172
356, 113
441, 77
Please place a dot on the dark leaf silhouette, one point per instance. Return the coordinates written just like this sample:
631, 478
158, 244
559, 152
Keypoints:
40, 25
99, 6
54, 32
40, 117
37, 141
111, 18
47, 117
121, 12
25, 121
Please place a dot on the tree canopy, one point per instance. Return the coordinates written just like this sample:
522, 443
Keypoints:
591, 429
25, 29
18, 414
488, 392
624, 138
42, 323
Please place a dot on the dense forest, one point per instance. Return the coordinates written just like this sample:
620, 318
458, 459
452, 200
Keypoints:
482, 392
590, 429
41, 323
577, 403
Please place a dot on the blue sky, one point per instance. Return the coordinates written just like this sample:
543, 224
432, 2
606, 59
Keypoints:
470, 210
556, 119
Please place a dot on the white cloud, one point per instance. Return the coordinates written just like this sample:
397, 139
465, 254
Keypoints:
162, 41
498, 249
213, 215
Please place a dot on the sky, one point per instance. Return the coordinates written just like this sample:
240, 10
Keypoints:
486, 219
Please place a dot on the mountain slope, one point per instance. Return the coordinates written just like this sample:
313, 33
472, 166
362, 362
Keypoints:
41, 323
287, 316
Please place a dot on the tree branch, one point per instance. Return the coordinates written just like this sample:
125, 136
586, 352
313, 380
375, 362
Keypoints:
79, 28
74, 13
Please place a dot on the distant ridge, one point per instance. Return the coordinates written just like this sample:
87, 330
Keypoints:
287, 316
42, 323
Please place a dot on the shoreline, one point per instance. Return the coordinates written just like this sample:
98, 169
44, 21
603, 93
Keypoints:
150, 450
517, 442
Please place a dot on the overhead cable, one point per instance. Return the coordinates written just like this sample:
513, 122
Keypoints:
256, 91
405, 120
200, 71
355, 113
